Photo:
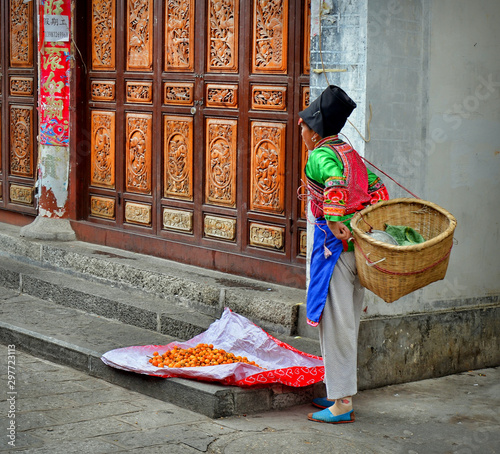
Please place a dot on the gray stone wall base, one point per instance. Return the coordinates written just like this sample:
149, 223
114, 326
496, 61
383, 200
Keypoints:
416, 347
43, 228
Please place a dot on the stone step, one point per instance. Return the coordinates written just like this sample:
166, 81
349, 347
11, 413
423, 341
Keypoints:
273, 307
130, 306
73, 337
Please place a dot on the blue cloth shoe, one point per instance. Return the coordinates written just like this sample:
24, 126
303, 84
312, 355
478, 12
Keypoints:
322, 402
327, 416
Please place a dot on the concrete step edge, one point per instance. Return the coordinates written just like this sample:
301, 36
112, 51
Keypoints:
131, 307
271, 306
210, 399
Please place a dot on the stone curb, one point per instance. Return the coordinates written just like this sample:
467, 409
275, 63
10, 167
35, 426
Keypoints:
274, 307
211, 400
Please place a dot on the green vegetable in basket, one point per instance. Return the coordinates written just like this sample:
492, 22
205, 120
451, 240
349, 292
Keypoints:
404, 235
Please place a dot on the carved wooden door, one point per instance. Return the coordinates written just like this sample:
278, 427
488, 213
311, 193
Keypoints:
18, 117
194, 150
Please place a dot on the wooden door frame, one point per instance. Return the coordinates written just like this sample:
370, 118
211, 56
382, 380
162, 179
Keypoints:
16, 213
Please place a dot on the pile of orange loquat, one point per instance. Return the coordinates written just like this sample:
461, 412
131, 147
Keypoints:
201, 355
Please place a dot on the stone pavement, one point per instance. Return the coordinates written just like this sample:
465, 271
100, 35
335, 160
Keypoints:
59, 410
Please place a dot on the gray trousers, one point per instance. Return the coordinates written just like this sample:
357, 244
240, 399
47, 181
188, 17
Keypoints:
339, 326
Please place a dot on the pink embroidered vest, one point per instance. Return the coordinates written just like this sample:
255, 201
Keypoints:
351, 191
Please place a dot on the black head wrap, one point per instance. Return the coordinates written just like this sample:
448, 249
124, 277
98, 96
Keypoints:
328, 113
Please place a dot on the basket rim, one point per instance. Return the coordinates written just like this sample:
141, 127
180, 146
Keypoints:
415, 247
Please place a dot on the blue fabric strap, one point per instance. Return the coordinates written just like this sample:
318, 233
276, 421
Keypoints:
321, 269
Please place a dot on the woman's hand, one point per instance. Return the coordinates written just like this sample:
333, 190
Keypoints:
340, 230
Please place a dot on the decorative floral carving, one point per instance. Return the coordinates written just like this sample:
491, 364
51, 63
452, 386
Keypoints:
222, 228
178, 93
103, 90
179, 18
103, 149
306, 59
103, 34
21, 86
21, 194
223, 35
267, 236
305, 97
21, 146
272, 98
21, 33
267, 167
303, 242
222, 95
138, 213
270, 35
140, 35
221, 162
139, 153
177, 220
178, 151
139, 92
102, 207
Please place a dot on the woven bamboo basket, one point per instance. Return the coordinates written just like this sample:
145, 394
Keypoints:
392, 271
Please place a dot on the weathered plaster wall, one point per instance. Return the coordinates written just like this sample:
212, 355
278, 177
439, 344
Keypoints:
463, 128
433, 73
53, 181
432, 76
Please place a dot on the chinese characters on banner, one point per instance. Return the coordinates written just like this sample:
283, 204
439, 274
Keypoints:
54, 48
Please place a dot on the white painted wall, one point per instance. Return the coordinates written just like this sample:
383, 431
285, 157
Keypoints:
463, 128
432, 76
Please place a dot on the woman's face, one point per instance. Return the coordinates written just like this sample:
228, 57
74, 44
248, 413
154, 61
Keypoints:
309, 136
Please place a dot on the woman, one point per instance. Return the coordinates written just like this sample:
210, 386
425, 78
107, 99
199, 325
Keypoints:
339, 184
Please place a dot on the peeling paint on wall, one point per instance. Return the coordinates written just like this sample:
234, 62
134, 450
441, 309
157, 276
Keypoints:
54, 170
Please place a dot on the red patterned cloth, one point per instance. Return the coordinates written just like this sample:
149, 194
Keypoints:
278, 361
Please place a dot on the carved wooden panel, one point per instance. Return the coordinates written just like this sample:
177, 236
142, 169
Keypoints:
267, 236
103, 90
267, 167
305, 97
178, 220
268, 97
180, 93
141, 92
222, 45
178, 157
21, 194
179, 35
221, 162
102, 146
139, 25
102, 207
103, 34
221, 228
218, 95
21, 34
138, 213
306, 58
304, 153
21, 86
303, 243
270, 36
138, 152
21, 140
